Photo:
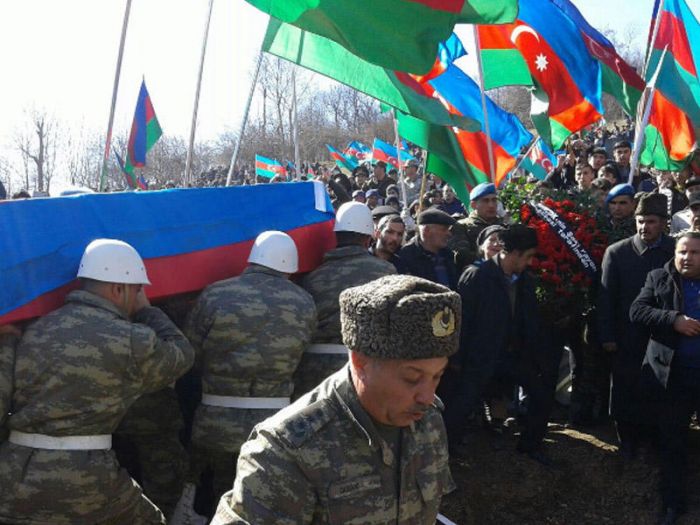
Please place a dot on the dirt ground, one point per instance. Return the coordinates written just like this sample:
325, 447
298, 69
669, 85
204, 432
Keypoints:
588, 483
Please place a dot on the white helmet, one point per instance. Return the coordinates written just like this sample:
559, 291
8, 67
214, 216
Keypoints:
275, 250
112, 261
354, 217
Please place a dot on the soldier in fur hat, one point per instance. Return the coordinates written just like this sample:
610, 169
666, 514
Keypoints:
368, 445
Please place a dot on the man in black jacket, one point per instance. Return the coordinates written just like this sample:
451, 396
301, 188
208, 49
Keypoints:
427, 254
669, 305
624, 269
499, 345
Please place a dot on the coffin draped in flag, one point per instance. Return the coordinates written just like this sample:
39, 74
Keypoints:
399, 90
184, 252
544, 48
397, 34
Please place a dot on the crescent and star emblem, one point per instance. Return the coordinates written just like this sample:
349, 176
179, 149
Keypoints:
541, 62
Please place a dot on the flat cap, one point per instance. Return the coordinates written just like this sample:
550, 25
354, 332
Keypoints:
622, 144
435, 216
372, 193
357, 192
401, 317
652, 204
487, 232
694, 199
620, 190
481, 190
692, 181
383, 211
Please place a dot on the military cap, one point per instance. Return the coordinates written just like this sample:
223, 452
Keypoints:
486, 233
694, 199
372, 193
692, 181
652, 204
619, 191
482, 190
382, 211
401, 317
435, 216
622, 144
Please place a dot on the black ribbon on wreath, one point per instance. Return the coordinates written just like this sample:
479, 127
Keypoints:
554, 221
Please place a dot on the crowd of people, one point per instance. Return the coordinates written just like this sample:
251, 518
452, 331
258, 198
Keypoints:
277, 398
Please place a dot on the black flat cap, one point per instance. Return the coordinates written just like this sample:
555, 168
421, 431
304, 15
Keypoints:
382, 211
435, 216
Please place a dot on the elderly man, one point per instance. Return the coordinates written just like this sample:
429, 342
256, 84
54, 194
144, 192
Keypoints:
668, 305
427, 254
625, 267
484, 203
249, 332
348, 264
77, 371
389, 233
367, 445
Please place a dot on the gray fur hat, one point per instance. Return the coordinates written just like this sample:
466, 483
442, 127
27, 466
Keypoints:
401, 317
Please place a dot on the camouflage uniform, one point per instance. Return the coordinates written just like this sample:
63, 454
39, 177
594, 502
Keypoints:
77, 372
463, 240
7, 363
322, 461
249, 333
342, 268
619, 230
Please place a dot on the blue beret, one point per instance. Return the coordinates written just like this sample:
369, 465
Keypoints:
619, 191
481, 190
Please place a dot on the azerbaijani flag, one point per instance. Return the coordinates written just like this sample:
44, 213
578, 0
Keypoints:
540, 161
508, 135
358, 151
401, 35
183, 252
386, 152
399, 90
128, 171
620, 80
343, 161
544, 48
268, 168
145, 130
678, 79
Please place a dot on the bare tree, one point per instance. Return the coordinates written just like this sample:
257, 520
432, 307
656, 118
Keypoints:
38, 146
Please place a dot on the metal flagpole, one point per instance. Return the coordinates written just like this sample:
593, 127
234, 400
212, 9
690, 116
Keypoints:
193, 126
648, 103
397, 141
115, 89
234, 157
487, 130
295, 124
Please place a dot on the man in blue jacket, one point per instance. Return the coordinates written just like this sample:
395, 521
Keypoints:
669, 304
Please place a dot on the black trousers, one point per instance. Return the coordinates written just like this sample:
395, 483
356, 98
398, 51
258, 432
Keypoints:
681, 400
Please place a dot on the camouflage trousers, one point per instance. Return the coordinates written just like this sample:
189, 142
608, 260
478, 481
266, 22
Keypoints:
313, 369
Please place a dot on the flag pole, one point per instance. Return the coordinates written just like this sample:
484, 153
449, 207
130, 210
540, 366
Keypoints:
115, 89
487, 127
295, 124
652, 40
234, 157
397, 139
193, 125
522, 159
642, 124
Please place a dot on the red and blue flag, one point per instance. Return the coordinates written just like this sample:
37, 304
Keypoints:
383, 151
342, 160
358, 150
145, 129
268, 168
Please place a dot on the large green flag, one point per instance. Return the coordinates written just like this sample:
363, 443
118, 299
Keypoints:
401, 35
324, 56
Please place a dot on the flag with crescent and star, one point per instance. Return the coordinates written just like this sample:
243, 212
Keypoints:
545, 49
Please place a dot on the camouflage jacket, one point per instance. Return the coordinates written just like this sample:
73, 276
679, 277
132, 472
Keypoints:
463, 240
342, 268
7, 364
77, 371
322, 461
249, 333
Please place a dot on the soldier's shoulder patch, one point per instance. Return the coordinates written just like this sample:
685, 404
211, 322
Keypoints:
303, 424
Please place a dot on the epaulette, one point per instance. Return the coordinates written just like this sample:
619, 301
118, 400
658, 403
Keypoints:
297, 428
